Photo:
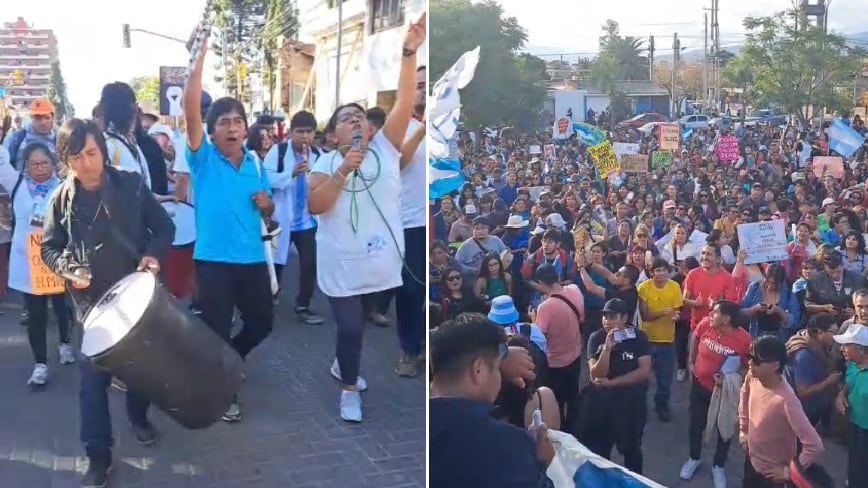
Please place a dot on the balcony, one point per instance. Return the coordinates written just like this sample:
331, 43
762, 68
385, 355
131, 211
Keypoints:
8, 34
321, 19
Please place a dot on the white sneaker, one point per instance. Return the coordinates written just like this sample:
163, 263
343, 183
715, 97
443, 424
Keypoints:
351, 406
718, 475
688, 469
67, 355
39, 376
361, 384
681, 375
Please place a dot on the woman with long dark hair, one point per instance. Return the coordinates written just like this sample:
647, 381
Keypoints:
852, 251
770, 305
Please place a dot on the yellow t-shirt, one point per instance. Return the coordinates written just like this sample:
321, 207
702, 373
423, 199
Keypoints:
656, 299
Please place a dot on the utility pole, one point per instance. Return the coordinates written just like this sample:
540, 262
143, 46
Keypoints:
224, 51
705, 67
676, 48
650, 58
338, 54
715, 27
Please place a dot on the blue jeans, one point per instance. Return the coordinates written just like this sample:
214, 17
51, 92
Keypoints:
410, 299
663, 365
96, 424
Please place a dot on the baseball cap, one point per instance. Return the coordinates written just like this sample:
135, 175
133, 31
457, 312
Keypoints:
161, 129
828, 201
556, 220
615, 306
470, 209
855, 334
42, 106
669, 204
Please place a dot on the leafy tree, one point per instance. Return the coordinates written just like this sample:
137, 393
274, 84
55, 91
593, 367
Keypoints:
688, 79
238, 25
146, 88
740, 73
626, 60
57, 92
281, 20
508, 88
797, 69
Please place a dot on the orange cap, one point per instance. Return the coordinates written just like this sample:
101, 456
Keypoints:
42, 106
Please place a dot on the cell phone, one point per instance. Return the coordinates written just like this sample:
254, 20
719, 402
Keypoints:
536, 421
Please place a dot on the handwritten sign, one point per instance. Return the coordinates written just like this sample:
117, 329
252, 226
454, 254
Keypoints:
534, 149
604, 156
535, 192
727, 149
765, 242
42, 280
828, 165
622, 148
661, 159
549, 151
670, 136
634, 163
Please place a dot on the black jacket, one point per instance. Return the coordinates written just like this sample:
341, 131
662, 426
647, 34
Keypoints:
821, 290
470, 449
113, 228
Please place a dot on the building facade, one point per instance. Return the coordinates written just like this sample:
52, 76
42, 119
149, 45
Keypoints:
370, 53
26, 55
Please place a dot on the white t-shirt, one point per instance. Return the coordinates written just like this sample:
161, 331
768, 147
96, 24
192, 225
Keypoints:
369, 259
121, 158
181, 165
414, 206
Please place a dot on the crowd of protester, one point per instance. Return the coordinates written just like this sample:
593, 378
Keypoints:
607, 291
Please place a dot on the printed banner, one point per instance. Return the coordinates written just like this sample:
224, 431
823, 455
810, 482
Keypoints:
549, 151
563, 128
535, 191
171, 89
661, 159
634, 163
622, 148
604, 157
828, 165
670, 136
727, 149
765, 242
42, 280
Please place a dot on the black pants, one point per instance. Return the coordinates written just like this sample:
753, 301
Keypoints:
625, 415
592, 322
700, 400
305, 243
350, 318
682, 337
857, 454
225, 286
378, 302
753, 479
37, 322
410, 300
564, 382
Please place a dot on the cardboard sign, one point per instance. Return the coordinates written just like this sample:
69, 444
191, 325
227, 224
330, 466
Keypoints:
535, 191
634, 163
42, 280
534, 149
727, 149
622, 148
670, 136
765, 242
605, 158
828, 165
661, 159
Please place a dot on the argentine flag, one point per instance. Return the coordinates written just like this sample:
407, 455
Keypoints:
444, 111
843, 139
588, 134
686, 134
575, 466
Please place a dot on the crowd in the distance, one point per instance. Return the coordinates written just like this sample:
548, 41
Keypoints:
586, 298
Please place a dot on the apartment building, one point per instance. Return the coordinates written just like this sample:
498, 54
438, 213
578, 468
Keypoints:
26, 54
370, 54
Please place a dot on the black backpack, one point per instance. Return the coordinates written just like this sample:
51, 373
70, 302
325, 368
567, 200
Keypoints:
282, 148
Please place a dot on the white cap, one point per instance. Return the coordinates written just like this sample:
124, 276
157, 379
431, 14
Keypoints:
855, 334
161, 129
828, 201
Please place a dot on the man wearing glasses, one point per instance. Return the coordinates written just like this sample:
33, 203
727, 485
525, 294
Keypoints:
830, 290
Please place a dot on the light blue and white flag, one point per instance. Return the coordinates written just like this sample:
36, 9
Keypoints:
588, 134
844, 139
444, 111
686, 134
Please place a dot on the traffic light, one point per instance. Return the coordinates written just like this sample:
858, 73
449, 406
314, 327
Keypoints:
127, 42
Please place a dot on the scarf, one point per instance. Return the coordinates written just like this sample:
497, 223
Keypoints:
41, 190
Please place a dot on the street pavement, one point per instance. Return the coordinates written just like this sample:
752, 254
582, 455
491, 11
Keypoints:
665, 449
290, 437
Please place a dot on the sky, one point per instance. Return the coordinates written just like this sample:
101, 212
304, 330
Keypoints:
571, 26
90, 39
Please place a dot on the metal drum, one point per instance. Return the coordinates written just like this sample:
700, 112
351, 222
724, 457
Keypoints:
178, 270
139, 333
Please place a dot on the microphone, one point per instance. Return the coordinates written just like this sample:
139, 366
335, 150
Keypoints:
357, 143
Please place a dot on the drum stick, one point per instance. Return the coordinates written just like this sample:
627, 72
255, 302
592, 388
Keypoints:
269, 261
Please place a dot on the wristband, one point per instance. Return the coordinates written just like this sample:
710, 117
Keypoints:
407, 52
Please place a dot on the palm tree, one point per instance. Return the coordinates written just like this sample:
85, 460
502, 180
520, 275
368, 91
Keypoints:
628, 51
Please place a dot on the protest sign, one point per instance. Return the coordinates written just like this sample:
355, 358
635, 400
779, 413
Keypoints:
634, 163
661, 159
622, 148
549, 151
534, 149
765, 242
828, 165
604, 157
727, 149
670, 136
563, 128
42, 279
535, 191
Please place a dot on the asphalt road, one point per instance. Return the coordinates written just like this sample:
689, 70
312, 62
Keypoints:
290, 436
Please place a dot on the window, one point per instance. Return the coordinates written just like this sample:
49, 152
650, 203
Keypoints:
386, 14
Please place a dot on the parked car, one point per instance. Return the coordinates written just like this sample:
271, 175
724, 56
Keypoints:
766, 116
724, 122
696, 121
640, 120
649, 128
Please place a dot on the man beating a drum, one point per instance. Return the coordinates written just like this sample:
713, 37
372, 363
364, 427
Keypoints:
232, 198
101, 225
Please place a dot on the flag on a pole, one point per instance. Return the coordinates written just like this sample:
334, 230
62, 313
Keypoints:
588, 134
843, 139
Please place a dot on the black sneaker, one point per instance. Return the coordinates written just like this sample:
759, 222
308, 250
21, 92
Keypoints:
97, 475
145, 433
308, 316
664, 414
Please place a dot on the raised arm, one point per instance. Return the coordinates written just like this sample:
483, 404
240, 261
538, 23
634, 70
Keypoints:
395, 128
193, 100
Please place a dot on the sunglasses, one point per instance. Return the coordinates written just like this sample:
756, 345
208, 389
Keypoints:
454, 278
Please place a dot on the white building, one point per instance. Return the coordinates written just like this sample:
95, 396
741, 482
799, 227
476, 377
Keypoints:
370, 54
26, 54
